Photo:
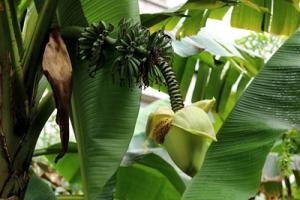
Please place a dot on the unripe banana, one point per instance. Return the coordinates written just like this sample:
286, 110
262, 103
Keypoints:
186, 134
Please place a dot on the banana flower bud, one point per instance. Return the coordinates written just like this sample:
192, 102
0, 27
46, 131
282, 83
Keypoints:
186, 134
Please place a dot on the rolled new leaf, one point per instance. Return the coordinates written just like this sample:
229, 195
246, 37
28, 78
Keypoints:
58, 70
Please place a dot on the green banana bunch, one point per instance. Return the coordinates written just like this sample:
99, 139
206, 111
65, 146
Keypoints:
139, 54
91, 44
132, 38
186, 134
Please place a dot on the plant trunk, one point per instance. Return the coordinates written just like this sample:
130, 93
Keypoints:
13, 177
14, 159
13, 172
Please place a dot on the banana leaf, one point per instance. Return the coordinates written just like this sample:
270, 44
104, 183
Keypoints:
269, 107
103, 113
38, 189
274, 16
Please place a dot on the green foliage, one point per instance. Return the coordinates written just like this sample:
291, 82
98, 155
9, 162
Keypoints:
290, 145
140, 55
220, 71
68, 166
296, 193
104, 114
261, 44
258, 15
153, 179
37, 189
268, 108
22, 7
101, 127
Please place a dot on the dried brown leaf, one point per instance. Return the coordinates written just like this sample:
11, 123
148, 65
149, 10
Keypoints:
58, 69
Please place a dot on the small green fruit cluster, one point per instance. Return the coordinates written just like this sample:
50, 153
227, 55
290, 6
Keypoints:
139, 53
91, 44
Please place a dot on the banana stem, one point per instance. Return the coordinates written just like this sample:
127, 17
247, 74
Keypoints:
173, 86
74, 32
111, 41
71, 32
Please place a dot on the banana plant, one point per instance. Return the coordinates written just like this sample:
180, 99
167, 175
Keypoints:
32, 42
232, 168
22, 118
44, 39
89, 64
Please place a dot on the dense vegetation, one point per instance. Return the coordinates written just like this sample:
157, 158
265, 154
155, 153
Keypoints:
91, 59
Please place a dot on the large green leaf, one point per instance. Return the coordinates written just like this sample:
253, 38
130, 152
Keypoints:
188, 72
221, 71
204, 4
104, 118
274, 16
245, 17
192, 24
68, 166
269, 107
149, 178
286, 20
104, 114
37, 189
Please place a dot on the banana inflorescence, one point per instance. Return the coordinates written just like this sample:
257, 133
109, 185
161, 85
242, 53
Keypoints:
186, 134
132, 38
91, 44
144, 59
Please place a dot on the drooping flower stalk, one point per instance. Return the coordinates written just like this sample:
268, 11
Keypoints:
172, 85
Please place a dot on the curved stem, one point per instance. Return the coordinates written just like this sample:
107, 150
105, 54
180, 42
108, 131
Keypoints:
173, 86
71, 32
52, 151
15, 38
74, 32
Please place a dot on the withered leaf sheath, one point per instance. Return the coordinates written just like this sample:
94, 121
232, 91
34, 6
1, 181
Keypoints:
58, 70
